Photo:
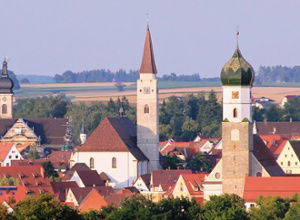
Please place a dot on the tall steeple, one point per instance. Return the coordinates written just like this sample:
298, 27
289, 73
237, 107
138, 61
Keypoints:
148, 61
147, 107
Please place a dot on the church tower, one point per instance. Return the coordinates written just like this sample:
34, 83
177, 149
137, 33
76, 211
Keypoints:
237, 77
6, 93
147, 107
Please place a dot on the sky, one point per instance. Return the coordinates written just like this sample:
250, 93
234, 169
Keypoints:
48, 37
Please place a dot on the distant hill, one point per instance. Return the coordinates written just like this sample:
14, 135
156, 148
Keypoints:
36, 79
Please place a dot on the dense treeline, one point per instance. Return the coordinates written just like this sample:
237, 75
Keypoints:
79, 114
44, 207
118, 76
181, 118
278, 74
290, 112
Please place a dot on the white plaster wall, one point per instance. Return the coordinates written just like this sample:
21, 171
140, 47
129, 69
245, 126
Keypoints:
122, 176
77, 179
13, 154
288, 155
257, 167
242, 104
140, 185
211, 190
148, 124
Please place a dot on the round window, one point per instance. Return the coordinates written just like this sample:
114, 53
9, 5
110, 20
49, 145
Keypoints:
217, 175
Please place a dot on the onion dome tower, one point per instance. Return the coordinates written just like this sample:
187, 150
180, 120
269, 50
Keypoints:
6, 93
237, 78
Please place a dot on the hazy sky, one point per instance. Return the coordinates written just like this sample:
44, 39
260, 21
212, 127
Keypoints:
46, 37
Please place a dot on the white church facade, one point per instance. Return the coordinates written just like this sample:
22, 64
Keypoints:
119, 148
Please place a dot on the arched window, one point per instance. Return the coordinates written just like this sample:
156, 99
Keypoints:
234, 112
114, 162
146, 109
289, 163
258, 174
92, 163
4, 109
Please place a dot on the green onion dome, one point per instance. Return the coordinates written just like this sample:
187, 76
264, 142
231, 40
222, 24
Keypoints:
237, 71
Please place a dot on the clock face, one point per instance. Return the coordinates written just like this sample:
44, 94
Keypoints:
235, 95
4, 99
146, 90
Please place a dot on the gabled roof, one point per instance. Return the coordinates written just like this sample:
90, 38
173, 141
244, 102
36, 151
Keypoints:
4, 150
114, 135
51, 130
166, 178
194, 183
148, 62
278, 128
265, 157
296, 147
81, 193
270, 186
90, 178
60, 188
80, 166
92, 201
60, 158
115, 199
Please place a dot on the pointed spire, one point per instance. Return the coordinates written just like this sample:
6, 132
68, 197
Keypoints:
4, 68
148, 62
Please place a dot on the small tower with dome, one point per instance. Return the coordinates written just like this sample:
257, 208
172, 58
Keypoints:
6, 93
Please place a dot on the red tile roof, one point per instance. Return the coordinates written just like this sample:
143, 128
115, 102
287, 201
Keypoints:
115, 199
148, 62
60, 158
114, 135
60, 189
90, 178
4, 149
270, 186
12, 192
278, 128
194, 183
166, 178
92, 201
32, 177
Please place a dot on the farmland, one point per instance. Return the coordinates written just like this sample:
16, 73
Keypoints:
88, 92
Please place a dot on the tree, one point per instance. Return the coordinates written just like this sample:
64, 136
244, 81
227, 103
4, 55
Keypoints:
270, 208
137, 207
199, 163
43, 207
33, 154
273, 113
4, 214
49, 170
178, 209
294, 212
292, 109
225, 207
172, 163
